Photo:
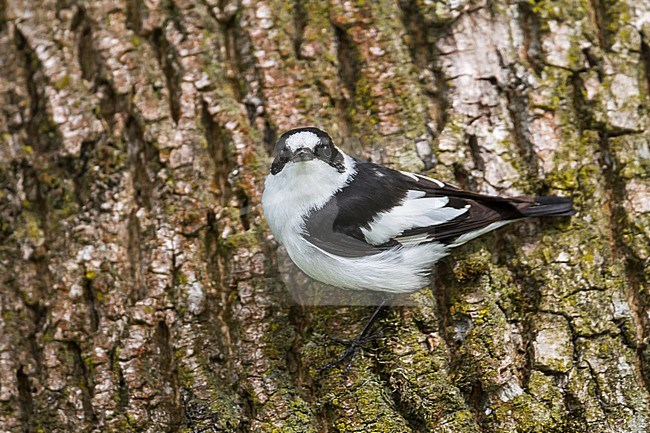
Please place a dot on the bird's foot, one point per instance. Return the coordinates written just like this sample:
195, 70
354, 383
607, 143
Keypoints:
353, 347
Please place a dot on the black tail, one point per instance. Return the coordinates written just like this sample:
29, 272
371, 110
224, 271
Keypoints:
550, 206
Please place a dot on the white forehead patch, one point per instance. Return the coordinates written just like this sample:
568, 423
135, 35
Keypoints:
302, 139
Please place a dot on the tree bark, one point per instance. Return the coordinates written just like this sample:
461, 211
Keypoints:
139, 282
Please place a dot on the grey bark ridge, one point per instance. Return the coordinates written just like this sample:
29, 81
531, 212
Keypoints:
139, 290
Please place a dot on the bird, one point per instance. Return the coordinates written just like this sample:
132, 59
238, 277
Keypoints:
357, 225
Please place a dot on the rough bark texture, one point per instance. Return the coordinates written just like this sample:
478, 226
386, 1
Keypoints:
138, 282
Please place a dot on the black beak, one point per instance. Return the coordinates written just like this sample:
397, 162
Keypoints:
303, 154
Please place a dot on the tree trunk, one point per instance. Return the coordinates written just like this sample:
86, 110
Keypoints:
139, 284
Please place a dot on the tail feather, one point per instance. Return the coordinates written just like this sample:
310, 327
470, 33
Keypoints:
549, 206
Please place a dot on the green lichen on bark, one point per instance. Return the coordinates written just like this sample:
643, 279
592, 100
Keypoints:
139, 283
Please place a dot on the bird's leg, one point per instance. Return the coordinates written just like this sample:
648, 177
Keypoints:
356, 344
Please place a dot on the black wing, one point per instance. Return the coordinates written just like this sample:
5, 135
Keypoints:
377, 190
322, 230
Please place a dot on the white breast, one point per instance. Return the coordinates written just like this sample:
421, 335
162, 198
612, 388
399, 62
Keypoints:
298, 189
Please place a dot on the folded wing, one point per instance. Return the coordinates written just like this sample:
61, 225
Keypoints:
383, 208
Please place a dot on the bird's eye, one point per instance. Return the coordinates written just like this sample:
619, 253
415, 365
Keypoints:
285, 154
324, 150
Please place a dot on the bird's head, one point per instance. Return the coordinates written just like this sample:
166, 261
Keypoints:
307, 146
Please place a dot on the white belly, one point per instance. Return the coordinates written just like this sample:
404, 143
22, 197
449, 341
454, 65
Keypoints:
398, 270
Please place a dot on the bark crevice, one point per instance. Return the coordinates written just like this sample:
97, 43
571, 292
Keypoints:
168, 374
86, 52
530, 25
168, 60
638, 298
91, 302
219, 150
24, 397
43, 134
299, 24
143, 161
86, 384
135, 13
349, 70
135, 256
424, 53
645, 60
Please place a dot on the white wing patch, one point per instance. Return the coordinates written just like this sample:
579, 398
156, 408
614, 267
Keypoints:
417, 177
476, 233
302, 139
413, 239
412, 194
414, 211
411, 175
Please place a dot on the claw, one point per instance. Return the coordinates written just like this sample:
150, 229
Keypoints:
354, 346
352, 350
